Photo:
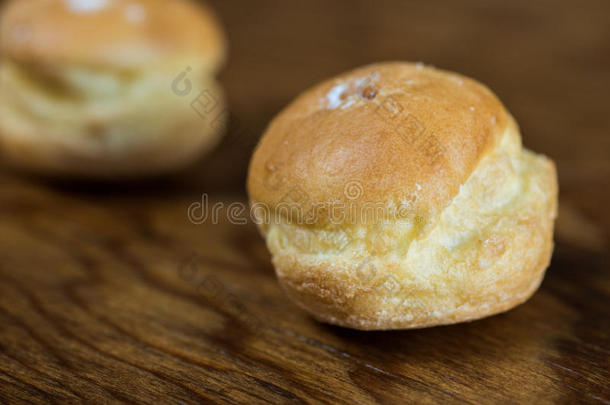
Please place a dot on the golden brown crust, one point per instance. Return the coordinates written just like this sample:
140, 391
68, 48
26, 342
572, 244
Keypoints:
444, 123
116, 33
475, 235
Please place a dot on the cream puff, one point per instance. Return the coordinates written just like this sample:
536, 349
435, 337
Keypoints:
108, 88
399, 196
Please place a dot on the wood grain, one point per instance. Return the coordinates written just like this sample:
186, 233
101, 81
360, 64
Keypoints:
108, 293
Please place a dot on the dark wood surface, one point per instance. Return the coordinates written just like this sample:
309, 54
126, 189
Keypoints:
109, 293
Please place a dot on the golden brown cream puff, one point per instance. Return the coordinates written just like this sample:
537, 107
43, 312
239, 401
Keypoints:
399, 196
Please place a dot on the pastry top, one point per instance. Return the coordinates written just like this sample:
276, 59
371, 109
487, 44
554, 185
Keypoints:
117, 33
390, 133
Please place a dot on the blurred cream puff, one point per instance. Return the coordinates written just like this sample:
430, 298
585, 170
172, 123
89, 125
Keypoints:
108, 88
399, 196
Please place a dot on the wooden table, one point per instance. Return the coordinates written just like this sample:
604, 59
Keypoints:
109, 293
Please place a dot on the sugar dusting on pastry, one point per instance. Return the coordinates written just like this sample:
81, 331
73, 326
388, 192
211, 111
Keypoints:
348, 93
334, 96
